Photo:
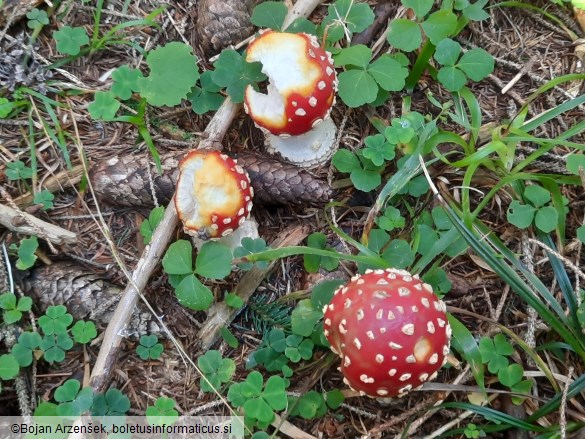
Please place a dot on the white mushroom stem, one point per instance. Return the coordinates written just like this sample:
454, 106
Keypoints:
310, 149
249, 229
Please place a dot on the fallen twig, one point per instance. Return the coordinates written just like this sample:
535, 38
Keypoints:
22, 222
220, 315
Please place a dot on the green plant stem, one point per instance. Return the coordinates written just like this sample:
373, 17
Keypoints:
96, 22
420, 65
272, 254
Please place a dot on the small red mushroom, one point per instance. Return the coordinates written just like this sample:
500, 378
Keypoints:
390, 331
299, 95
213, 196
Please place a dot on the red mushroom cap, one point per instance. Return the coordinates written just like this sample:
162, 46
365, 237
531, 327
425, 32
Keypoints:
214, 195
302, 83
390, 331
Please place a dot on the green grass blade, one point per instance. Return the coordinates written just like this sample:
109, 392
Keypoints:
507, 266
437, 248
494, 415
563, 279
272, 254
464, 342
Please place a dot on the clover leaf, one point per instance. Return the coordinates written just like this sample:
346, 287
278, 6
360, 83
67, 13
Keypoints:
475, 11
149, 347
23, 350
233, 72
214, 260
398, 253
56, 320
125, 81
45, 198
357, 87
179, 258
404, 34
13, 309
298, 347
269, 14
26, 252
192, 294
55, 345
312, 263
345, 17
440, 25
70, 39
8, 367
162, 412
378, 149
545, 216
575, 162
207, 97
364, 175
304, 318
361, 81
104, 106
173, 72
494, 352
17, 170
520, 215
537, 195
112, 403
258, 399
83, 332
420, 7
37, 18
401, 131
391, 219
217, 370
250, 246
73, 401
475, 64
148, 225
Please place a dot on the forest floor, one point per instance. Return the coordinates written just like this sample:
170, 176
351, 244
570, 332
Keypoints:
529, 49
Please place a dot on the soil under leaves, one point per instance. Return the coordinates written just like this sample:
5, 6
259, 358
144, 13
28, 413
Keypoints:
523, 43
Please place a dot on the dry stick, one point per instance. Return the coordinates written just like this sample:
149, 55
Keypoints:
53, 184
152, 254
22, 222
220, 315
289, 429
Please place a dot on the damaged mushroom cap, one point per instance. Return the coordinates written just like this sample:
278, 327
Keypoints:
213, 196
390, 331
302, 83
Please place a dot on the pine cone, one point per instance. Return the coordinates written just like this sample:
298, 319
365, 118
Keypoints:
85, 294
221, 23
277, 182
124, 181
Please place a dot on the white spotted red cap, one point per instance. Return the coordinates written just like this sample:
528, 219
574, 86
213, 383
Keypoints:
390, 331
214, 195
302, 83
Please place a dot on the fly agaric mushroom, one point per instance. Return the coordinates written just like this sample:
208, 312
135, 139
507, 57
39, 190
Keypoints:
294, 112
390, 331
213, 196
